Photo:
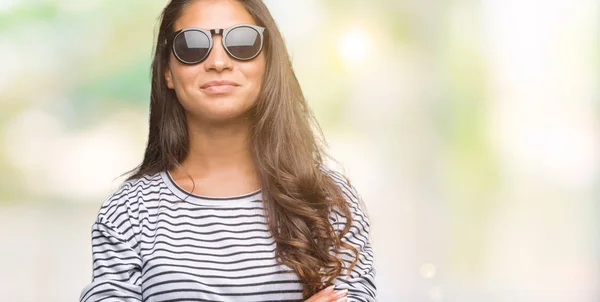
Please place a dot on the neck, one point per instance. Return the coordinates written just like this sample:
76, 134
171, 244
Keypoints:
219, 149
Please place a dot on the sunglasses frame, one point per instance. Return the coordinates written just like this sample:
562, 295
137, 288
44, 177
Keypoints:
216, 31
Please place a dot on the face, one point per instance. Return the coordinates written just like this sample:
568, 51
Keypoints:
216, 103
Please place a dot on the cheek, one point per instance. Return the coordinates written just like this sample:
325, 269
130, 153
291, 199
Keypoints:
183, 75
255, 73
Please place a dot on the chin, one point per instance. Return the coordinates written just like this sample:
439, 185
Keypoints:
219, 108
223, 115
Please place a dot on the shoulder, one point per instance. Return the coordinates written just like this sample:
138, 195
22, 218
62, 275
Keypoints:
126, 199
350, 194
343, 182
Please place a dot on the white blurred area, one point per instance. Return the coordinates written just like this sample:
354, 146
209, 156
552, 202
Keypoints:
502, 206
544, 127
37, 144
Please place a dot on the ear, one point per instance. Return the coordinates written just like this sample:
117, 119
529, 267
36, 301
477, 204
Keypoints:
169, 78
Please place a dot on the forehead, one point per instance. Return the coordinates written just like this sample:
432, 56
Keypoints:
209, 14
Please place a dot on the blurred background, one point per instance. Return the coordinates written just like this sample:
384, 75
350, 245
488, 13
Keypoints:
470, 128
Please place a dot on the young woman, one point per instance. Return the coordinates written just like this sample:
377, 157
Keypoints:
232, 201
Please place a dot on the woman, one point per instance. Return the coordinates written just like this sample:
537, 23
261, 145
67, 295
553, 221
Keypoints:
232, 201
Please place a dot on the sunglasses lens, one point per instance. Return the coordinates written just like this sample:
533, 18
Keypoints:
243, 43
191, 46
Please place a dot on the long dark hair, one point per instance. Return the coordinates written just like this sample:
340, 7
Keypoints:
287, 148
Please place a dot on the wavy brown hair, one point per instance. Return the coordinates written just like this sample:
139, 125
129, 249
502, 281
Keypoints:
287, 148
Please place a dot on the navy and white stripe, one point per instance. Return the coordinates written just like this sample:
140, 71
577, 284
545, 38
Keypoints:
148, 245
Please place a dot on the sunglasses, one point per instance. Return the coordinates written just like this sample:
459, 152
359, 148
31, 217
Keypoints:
242, 42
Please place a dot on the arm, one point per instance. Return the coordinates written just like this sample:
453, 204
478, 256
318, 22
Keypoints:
116, 260
361, 282
117, 267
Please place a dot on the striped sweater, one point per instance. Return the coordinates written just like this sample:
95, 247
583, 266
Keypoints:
149, 245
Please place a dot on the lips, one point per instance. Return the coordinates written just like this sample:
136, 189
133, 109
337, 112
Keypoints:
219, 87
218, 83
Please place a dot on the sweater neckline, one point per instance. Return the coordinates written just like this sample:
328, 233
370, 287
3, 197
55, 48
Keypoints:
208, 200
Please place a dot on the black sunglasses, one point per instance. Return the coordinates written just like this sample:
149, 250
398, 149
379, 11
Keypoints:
242, 42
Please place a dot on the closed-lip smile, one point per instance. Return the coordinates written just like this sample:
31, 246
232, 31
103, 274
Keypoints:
219, 87
219, 83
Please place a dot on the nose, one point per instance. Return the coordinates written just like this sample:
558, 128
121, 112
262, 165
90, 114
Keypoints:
218, 60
